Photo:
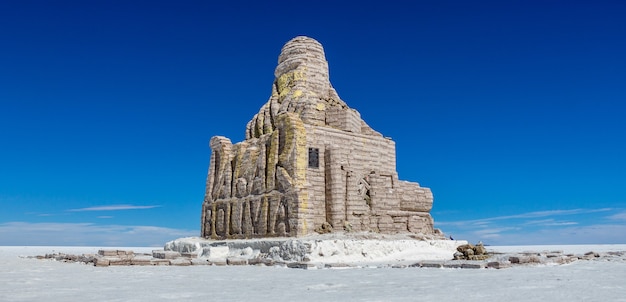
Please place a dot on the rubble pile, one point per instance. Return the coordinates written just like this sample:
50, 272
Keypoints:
471, 252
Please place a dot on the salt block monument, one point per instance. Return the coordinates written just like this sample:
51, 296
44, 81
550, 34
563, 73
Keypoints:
309, 164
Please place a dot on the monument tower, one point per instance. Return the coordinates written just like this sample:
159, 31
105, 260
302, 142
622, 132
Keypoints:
308, 162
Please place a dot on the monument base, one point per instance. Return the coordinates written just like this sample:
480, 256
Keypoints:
362, 249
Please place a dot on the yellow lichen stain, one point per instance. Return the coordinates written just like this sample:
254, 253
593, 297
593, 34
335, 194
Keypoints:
301, 165
272, 161
267, 121
297, 93
260, 119
293, 154
320, 106
288, 135
287, 81
239, 151
293, 157
301, 154
252, 157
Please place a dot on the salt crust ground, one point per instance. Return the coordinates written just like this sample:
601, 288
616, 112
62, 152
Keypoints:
27, 279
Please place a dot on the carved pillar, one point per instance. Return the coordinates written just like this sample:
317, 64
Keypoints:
336, 193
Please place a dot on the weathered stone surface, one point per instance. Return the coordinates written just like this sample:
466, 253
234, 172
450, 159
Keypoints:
517, 260
499, 264
107, 253
141, 261
180, 262
309, 163
219, 262
337, 265
200, 261
453, 264
236, 261
522, 259
214, 253
471, 252
161, 254
102, 262
160, 262
325, 228
479, 249
428, 264
189, 255
473, 265
302, 265
119, 261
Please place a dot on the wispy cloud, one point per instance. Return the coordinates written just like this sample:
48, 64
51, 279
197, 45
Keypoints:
39, 214
573, 234
119, 207
618, 216
493, 233
580, 234
538, 214
563, 226
88, 234
561, 223
550, 222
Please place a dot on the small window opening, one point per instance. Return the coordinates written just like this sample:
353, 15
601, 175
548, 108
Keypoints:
314, 158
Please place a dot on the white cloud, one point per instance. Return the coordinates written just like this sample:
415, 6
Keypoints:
618, 216
88, 234
550, 222
491, 233
555, 235
119, 207
539, 222
561, 223
38, 214
538, 214
541, 227
589, 234
494, 231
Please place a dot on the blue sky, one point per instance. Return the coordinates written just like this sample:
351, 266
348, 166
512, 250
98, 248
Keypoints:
512, 112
